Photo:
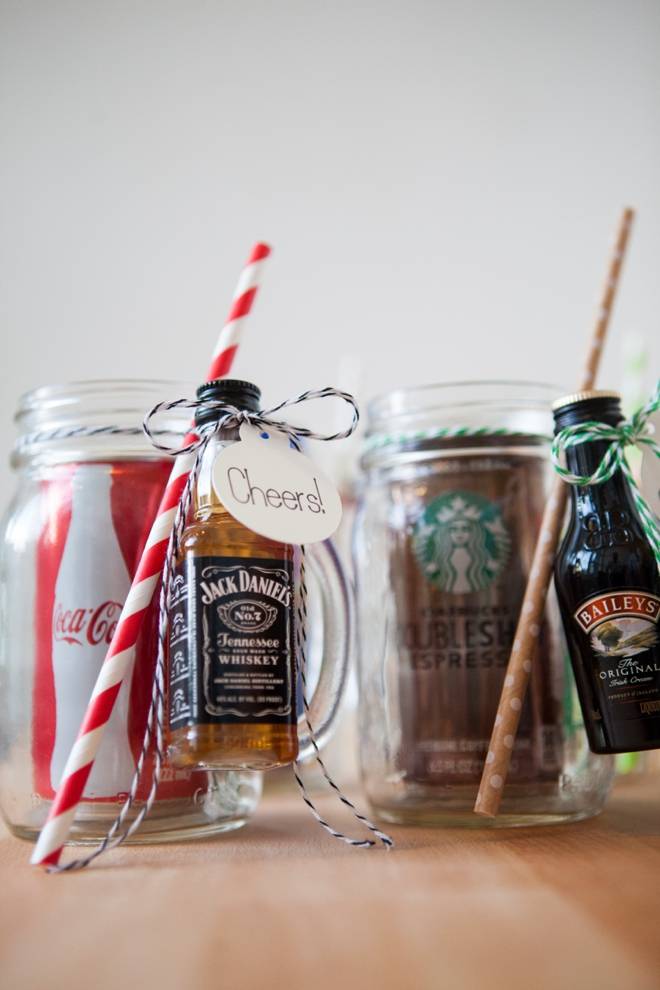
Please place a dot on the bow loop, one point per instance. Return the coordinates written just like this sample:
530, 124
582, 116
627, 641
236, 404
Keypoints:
220, 415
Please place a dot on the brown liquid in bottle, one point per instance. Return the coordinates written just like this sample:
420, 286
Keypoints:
253, 742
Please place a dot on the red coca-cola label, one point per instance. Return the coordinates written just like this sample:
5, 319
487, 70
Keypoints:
617, 604
95, 625
81, 622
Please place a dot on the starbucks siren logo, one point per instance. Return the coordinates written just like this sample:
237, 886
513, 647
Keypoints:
461, 542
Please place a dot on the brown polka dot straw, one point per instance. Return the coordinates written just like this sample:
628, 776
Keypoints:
503, 736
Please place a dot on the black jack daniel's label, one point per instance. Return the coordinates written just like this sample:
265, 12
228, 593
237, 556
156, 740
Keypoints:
231, 642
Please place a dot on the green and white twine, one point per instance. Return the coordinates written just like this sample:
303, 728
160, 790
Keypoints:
635, 432
380, 440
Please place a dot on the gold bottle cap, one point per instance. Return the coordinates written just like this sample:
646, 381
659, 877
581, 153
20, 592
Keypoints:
592, 393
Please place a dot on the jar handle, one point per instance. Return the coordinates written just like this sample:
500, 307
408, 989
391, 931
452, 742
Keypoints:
322, 561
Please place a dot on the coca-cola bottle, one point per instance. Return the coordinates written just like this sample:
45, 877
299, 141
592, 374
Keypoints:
609, 593
96, 520
91, 586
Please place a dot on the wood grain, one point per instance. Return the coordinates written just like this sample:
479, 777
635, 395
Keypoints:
280, 905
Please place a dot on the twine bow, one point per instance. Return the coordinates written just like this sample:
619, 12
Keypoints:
225, 416
635, 432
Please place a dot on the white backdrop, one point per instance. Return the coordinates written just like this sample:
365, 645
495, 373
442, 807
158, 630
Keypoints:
440, 181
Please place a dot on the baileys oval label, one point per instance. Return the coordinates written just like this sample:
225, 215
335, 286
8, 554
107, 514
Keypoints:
461, 542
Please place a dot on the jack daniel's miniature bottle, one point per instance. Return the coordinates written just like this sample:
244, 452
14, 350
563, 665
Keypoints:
231, 678
609, 592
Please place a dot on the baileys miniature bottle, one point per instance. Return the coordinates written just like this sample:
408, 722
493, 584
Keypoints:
609, 593
231, 677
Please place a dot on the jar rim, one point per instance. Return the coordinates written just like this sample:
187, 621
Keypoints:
414, 421
49, 418
66, 392
438, 395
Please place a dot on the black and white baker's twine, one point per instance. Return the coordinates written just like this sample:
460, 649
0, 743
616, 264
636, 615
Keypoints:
226, 416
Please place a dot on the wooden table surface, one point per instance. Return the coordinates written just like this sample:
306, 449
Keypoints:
280, 905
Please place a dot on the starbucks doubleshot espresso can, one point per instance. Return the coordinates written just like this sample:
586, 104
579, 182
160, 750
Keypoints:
454, 488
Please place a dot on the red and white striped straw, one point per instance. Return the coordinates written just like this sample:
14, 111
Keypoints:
120, 653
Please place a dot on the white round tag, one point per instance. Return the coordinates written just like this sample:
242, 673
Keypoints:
274, 490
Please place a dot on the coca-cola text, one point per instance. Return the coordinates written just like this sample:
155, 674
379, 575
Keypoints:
93, 625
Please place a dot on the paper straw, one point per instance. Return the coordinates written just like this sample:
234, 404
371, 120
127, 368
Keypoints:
119, 657
519, 668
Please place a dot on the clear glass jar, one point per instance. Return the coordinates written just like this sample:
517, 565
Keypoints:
70, 541
443, 542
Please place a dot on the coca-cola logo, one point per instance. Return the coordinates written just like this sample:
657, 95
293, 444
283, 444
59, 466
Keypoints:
90, 625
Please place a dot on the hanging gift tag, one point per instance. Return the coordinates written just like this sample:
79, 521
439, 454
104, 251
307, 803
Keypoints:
274, 490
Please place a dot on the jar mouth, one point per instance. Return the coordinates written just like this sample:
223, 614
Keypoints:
49, 410
125, 391
417, 417
415, 400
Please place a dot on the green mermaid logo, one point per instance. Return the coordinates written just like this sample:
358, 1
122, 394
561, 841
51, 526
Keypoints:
461, 542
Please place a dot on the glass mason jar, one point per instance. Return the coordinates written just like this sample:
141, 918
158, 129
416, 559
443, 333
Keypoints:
443, 542
71, 539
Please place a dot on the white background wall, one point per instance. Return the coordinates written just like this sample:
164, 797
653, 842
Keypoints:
440, 181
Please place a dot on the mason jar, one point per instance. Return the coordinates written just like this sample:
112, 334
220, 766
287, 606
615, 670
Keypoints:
70, 543
454, 482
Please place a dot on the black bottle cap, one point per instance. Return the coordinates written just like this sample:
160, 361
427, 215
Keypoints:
233, 391
596, 404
